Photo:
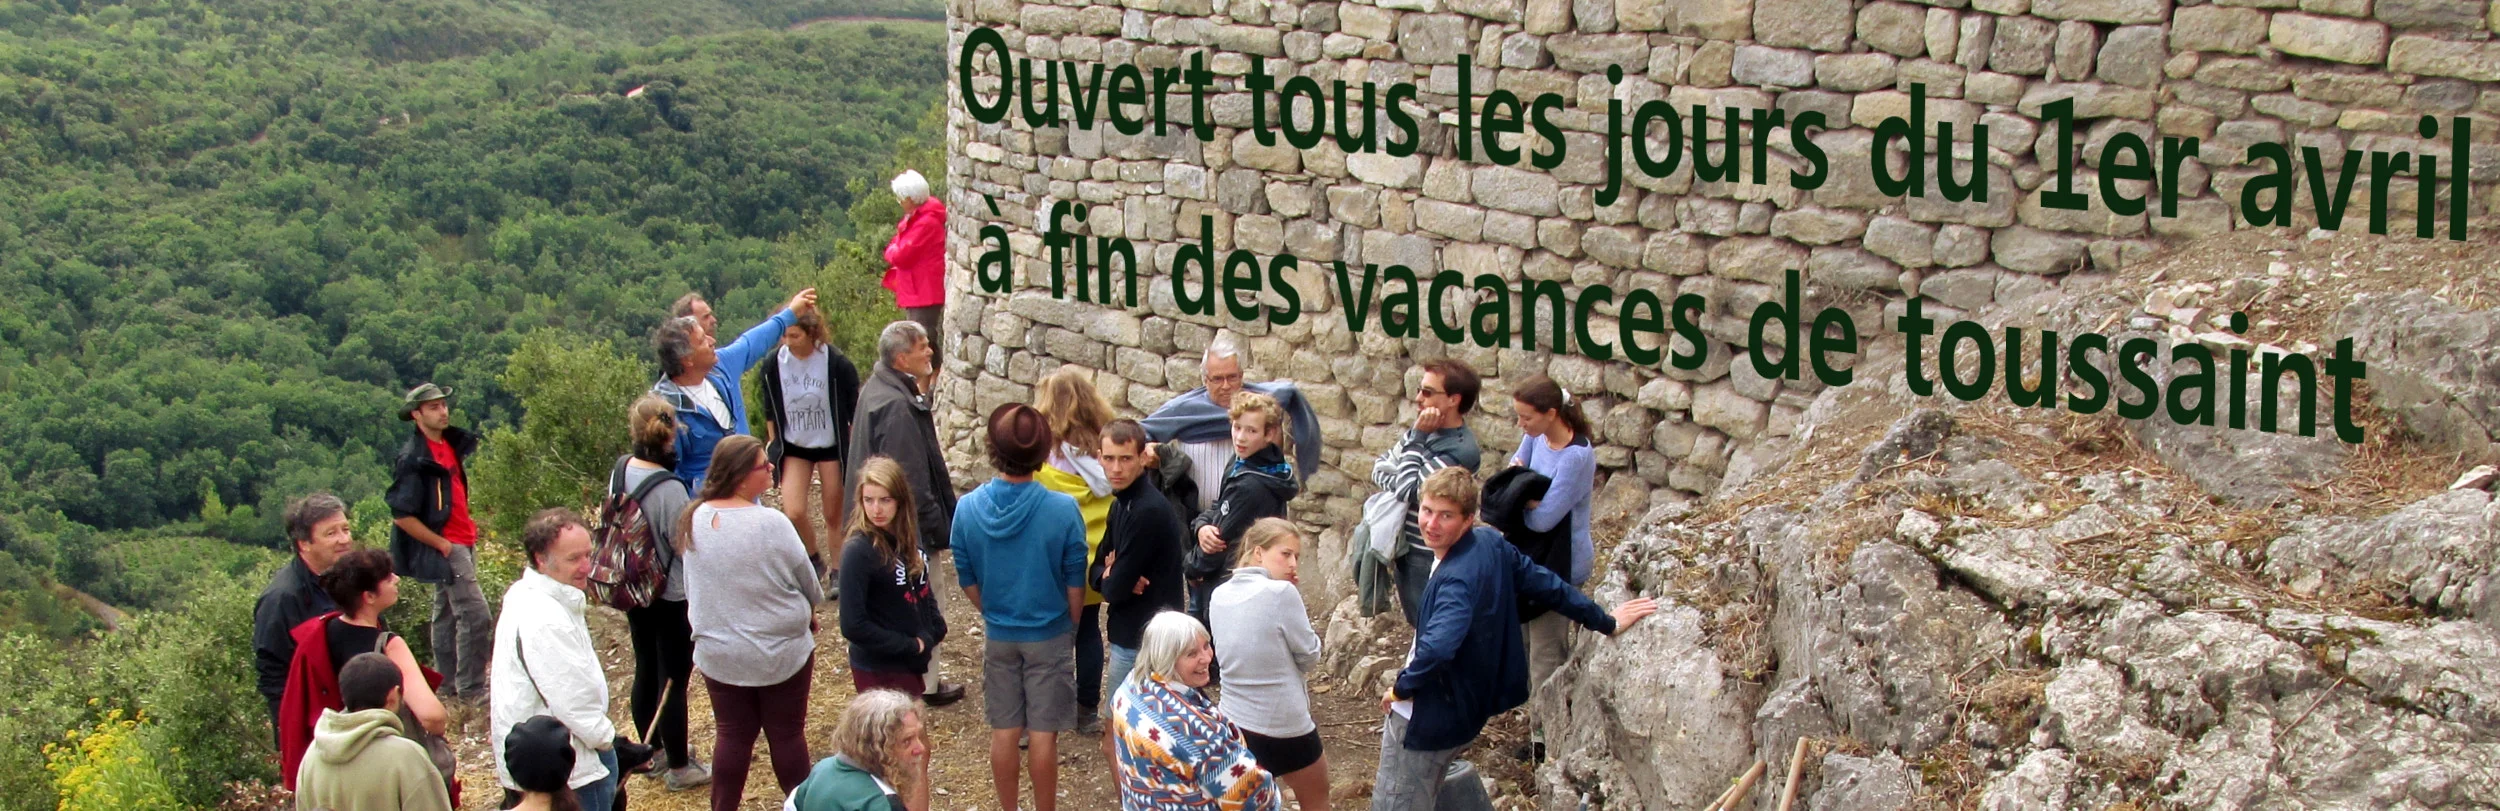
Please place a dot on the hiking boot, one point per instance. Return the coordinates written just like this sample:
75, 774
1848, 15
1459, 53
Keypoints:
692, 775
1090, 723
947, 693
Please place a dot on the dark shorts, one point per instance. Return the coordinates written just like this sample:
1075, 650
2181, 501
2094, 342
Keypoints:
1283, 756
789, 451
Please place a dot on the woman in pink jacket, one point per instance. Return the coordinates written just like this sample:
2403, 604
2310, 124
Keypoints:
916, 259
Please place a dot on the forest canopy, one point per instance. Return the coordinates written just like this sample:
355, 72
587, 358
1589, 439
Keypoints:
233, 231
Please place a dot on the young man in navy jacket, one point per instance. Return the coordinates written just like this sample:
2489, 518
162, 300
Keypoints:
1470, 661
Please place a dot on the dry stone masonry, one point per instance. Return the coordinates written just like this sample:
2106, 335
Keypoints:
2335, 75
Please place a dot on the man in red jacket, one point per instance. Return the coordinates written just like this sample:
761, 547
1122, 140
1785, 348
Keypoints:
916, 259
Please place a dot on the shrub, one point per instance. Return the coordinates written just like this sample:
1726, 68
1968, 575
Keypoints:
108, 767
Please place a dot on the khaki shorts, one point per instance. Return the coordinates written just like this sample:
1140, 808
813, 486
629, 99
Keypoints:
1030, 685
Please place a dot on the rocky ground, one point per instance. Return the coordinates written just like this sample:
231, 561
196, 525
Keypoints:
1979, 606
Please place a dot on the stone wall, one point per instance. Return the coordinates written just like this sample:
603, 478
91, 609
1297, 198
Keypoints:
2335, 74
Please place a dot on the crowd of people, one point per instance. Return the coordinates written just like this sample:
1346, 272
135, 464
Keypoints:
1135, 580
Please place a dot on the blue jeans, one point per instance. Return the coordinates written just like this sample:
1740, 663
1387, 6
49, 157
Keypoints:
1123, 660
1408, 780
601, 795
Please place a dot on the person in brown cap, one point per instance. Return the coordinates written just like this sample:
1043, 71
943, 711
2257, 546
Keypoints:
434, 539
1020, 556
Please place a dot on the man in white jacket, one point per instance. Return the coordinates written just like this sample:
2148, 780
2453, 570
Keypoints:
544, 663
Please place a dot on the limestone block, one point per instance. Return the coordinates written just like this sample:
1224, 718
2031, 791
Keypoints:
1822, 25
1896, 28
2123, 12
1765, 66
2023, 46
2031, 250
2133, 55
2331, 38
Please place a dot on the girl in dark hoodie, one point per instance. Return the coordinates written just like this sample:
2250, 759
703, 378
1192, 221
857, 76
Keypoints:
1258, 486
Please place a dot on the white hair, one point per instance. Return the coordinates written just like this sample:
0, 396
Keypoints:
1168, 637
1224, 345
911, 186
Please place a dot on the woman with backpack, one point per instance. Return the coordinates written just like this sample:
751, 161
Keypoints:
663, 641
810, 392
889, 613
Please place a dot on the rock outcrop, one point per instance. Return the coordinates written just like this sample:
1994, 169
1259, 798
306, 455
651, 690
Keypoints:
1960, 619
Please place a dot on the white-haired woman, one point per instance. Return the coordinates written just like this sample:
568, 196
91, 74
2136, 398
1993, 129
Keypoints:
880, 760
1175, 750
916, 259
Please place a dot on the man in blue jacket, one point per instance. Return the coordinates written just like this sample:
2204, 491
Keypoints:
700, 379
1470, 661
1020, 556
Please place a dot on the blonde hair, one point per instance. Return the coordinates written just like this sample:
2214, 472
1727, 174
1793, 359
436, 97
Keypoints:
1264, 534
871, 726
1075, 410
1251, 402
1455, 485
900, 540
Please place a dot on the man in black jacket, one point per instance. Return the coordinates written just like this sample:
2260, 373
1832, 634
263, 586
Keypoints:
893, 421
434, 540
317, 523
1138, 568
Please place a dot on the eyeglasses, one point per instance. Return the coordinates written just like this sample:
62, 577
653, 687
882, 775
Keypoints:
1227, 380
1432, 392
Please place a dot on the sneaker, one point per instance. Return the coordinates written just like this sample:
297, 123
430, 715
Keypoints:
692, 775
947, 693
1090, 723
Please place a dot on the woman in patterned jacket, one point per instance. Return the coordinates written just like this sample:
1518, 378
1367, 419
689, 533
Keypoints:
1176, 753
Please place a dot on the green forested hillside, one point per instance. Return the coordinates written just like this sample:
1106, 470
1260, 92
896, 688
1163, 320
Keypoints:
231, 231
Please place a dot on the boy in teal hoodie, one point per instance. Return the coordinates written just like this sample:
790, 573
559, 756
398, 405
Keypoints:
1020, 556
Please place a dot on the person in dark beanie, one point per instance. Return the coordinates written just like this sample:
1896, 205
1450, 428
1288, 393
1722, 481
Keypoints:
433, 539
538, 755
1020, 556
317, 523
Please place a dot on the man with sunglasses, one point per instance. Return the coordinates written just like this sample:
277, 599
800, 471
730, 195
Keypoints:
1439, 438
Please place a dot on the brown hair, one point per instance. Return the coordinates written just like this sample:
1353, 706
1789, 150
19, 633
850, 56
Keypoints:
1459, 379
1251, 402
813, 323
543, 529
1262, 534
352, 576
900, 542
684, 307
736, 454
1077, 413
1543, 394
1126, 431
1455, 485
652, 425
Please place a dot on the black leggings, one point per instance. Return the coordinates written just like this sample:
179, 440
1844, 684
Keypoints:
1089, 655
663, 652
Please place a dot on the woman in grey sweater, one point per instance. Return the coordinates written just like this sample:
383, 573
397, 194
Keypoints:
751, 597
1264, 639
